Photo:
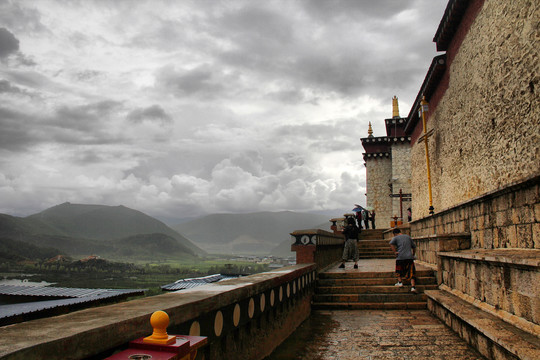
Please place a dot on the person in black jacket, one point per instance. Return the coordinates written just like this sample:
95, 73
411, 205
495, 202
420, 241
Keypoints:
350, 251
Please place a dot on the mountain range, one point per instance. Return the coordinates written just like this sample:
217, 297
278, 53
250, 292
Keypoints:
119, 232
260, 233
108, 231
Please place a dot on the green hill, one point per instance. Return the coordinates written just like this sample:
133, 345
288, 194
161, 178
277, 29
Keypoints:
79, 229
14, 251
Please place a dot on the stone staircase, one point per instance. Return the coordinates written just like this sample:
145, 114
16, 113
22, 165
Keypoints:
369, 287
370, 290
371, 249
372, 246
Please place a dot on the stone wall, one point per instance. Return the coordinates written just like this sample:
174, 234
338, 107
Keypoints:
401, 171
486, 127
379, 174
506, 218
429, 247
504, 281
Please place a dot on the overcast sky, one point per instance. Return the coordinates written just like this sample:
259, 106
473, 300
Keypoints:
184, 108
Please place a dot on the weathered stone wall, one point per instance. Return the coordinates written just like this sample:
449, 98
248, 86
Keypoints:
401, 171
504, 280
486, 126
508, 218
379, 174
428, 248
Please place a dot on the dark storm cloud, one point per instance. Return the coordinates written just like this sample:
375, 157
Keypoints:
291, 96
318, 52
338, 10
8, 43
87, 75
6, 87
88, 118
154, 113
256, 27
68, 125
18, 17
17, 133
32, 79
203, 81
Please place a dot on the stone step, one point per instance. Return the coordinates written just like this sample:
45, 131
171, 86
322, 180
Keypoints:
373, 242
378, 256
375, 249
367, 306
369, 298
427, 280
375, 252
346, 274
490, 335
374, 289
367, 237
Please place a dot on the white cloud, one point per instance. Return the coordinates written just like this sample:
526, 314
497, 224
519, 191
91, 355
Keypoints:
197, 107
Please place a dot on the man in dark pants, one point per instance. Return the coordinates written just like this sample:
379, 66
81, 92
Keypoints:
350, 250
404, 248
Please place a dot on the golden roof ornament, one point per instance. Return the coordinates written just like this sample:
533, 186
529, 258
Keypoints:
395, 107
370, 130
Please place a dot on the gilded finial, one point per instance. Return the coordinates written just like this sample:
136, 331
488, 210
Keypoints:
395, 107
370, 130
159, 321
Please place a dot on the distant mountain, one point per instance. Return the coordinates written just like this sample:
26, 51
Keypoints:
94, 229
15, 251
253, 233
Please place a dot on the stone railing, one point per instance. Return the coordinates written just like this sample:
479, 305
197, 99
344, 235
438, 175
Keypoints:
317, 246
243, 318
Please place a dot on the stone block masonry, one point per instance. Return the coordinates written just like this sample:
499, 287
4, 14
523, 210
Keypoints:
486, 127
401, 177
379, 175
505, 218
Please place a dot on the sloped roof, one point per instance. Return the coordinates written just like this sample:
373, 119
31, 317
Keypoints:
450, 21
194, 282
54, 300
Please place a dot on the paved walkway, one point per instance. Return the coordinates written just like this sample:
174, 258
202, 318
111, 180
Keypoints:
371, 265
373, 334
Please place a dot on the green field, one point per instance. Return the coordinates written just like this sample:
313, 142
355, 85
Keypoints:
137, 275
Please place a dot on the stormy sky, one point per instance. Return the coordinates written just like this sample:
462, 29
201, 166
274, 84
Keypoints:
184, 108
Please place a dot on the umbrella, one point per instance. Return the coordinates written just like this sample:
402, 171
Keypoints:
358, 208
369, 208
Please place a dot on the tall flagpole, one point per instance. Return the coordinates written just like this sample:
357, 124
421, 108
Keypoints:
424, 107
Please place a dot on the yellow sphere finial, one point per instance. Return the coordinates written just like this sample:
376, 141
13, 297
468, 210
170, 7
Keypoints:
370, 130
159, 321
395, 107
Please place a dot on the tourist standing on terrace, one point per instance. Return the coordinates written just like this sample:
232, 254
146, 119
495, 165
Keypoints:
404, 248
372, 219
350, 251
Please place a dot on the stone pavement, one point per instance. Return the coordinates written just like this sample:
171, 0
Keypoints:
371, 265
373, 335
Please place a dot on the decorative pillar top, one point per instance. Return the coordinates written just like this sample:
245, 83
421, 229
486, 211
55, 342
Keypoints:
395, 107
